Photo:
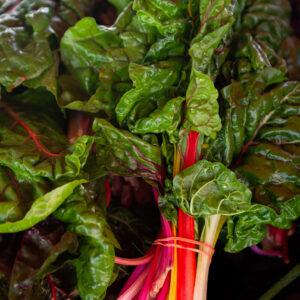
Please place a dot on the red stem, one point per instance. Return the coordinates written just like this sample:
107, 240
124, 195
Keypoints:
108, 192
63, 292
186, 229
52, 287
285, 253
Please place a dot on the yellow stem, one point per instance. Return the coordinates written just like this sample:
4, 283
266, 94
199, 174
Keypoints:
173, 281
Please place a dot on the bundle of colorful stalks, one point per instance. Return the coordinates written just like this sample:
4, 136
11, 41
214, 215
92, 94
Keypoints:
231, 53
158, 273
169, 269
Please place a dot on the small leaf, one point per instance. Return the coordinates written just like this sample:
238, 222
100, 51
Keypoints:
202, 106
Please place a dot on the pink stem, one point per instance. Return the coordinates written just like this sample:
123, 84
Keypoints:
135, 287
135, 261
133, 277
259, 251
145, 293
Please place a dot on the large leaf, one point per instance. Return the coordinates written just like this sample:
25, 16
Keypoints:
98, 57
268, 21
210, 188
87, 47
250, 228
95, 264
41, 208
151, 92
255, 112
202, 106
260, 134
34, 145
41, 245
25, 50
165, 118
216, 20
272, 173
125, 154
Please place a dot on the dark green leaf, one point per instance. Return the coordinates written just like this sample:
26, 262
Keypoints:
41, 208
165, 118
25, 49
94, 266
41, 245
34, 146
124, 154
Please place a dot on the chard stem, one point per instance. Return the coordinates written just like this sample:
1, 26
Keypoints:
282, 283
210, 233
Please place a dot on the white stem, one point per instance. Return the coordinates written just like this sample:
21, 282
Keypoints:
211, 230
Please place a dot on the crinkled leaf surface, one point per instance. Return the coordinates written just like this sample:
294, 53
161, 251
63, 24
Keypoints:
152, 85
202, 111
125, 154
95, 264
48, 78
165, 118
166, 16
268, 21
260, 133
25, 49
250, 228
98, 57
202, 107
208, 188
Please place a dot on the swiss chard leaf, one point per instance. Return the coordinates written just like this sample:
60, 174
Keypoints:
95, 264
25, 50
202, 111
202, 106
166, 16
260, 134
268, 21
34, 145
165, 118
250, 228
41, 208
122, 153
16, 197
40, 246
153, 84
98, 58
210, 188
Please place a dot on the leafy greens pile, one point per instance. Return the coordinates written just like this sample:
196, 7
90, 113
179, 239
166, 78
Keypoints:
199, 99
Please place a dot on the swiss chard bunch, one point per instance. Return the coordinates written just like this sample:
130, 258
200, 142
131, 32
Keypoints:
194, 98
